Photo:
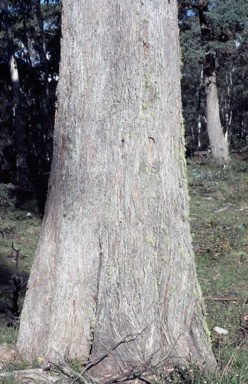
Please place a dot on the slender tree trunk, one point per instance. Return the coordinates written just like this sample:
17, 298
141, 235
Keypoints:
26, 40
199, 121
228, 103
18, 121
43, 53
114, 260
218, 143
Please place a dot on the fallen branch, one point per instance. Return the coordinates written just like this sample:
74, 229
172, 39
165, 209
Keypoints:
100, 358
36, 375
17, 251
221, 298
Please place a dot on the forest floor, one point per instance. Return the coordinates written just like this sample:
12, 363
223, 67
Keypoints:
219, 227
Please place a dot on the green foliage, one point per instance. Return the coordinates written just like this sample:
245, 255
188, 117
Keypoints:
8, 335
6, 198
76, 365
227, 15
196, 376
8, 379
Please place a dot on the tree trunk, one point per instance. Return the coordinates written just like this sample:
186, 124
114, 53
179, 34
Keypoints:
218, 143
114, 260
18, 121
216, 136
43, 54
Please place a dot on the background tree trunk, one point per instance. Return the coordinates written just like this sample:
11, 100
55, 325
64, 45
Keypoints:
218, 143
43, 54
18, 120
114, 257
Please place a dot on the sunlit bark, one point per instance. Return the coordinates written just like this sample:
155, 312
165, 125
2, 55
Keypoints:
114, 260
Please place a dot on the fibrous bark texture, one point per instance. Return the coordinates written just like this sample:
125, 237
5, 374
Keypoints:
216, 136
114, 259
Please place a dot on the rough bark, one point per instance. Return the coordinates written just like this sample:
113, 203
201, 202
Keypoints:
114, 257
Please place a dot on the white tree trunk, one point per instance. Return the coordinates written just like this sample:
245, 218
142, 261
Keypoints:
114, 257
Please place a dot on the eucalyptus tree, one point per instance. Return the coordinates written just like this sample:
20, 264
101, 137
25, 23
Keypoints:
114, 282
221, 25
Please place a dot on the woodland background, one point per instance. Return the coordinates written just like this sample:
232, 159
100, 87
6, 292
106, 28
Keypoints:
30, 34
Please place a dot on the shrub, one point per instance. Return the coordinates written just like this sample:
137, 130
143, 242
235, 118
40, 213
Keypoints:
6, 198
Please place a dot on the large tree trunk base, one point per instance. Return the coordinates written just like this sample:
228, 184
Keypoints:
114, 271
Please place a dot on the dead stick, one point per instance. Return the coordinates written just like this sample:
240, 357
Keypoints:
17, 257
221, 298
97, 360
